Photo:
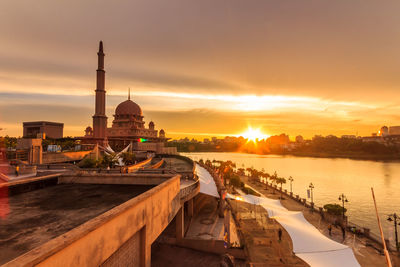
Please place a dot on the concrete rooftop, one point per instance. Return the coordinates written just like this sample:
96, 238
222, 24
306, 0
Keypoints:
38, 216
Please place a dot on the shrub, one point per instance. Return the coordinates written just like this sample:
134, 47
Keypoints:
334, 209
128, 158
87, 163
235, 181
250, 191
108, 161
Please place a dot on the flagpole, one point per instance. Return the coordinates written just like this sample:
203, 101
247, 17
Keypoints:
389, 263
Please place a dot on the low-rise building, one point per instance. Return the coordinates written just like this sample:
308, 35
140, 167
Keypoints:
43, 129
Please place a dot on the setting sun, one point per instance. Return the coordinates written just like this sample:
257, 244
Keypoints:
254, 134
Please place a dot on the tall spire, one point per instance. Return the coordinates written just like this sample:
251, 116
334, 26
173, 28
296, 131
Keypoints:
129, 93
101, 47
100, 55
99, 117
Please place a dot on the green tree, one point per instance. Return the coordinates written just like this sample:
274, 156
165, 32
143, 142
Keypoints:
235, 181
281, 181
128, 158
87, 163
334, 209
108, 160
273, 179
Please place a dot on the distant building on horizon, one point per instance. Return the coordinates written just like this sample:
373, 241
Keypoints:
43, 129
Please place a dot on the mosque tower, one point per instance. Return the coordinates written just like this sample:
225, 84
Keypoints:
99, 117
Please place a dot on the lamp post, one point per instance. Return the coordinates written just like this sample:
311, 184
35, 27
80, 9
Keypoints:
311, 186
343, 198
393, 218
291, 180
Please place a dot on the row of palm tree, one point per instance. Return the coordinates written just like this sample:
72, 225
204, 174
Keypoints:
227, 169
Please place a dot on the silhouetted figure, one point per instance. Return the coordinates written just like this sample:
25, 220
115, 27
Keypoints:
17, 170
280, 234
330, 230
343, 232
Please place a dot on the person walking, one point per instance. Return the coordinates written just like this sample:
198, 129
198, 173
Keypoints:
280, 234
343, 232
17, 170
330, 229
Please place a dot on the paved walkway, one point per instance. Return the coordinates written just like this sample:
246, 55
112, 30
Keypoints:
366, 255
261, 237
20, 177
208, 225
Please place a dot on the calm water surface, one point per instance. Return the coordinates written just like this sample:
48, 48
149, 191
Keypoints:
331, 177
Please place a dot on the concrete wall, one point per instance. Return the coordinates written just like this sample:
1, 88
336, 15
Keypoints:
104, 178
137, 166
103, 239
49, 157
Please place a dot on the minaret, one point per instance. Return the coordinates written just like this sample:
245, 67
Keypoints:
99, 117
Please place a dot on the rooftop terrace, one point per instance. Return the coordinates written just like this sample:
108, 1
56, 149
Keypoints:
38, 216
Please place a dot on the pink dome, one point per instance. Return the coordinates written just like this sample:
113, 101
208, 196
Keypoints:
128, 107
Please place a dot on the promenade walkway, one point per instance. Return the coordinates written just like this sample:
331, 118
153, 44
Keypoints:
365, 255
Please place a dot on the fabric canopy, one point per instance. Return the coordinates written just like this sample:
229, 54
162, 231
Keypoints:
342, 258
207, 184
308, 243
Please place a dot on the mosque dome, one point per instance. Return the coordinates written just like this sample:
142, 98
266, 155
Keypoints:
128, 107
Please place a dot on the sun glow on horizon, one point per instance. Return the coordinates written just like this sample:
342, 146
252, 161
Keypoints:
254, 134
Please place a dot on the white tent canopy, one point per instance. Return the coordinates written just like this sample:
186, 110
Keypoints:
342, 258
308, 243
207, 184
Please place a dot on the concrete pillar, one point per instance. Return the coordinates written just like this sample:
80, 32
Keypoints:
190, 207
145, 249
227, 222
180, 224
221, 208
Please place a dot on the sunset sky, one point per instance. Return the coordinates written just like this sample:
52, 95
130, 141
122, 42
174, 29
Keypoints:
204, 68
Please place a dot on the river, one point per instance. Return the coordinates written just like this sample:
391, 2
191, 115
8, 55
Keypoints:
332, 177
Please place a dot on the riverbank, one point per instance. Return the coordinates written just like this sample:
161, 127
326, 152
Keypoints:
355, 156
373, 157
366, 251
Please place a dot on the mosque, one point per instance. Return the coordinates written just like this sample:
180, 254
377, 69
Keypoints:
128, 126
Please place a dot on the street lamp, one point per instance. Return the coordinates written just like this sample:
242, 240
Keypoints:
291, 180
343, 198
393, 218
311, 186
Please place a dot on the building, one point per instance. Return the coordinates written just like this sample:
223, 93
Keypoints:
394, 130
384, 131
349, 136
43, 129
128, 125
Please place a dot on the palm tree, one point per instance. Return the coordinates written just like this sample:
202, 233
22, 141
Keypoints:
281, 180
240, 171
265, 175
249, 170
273, 179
